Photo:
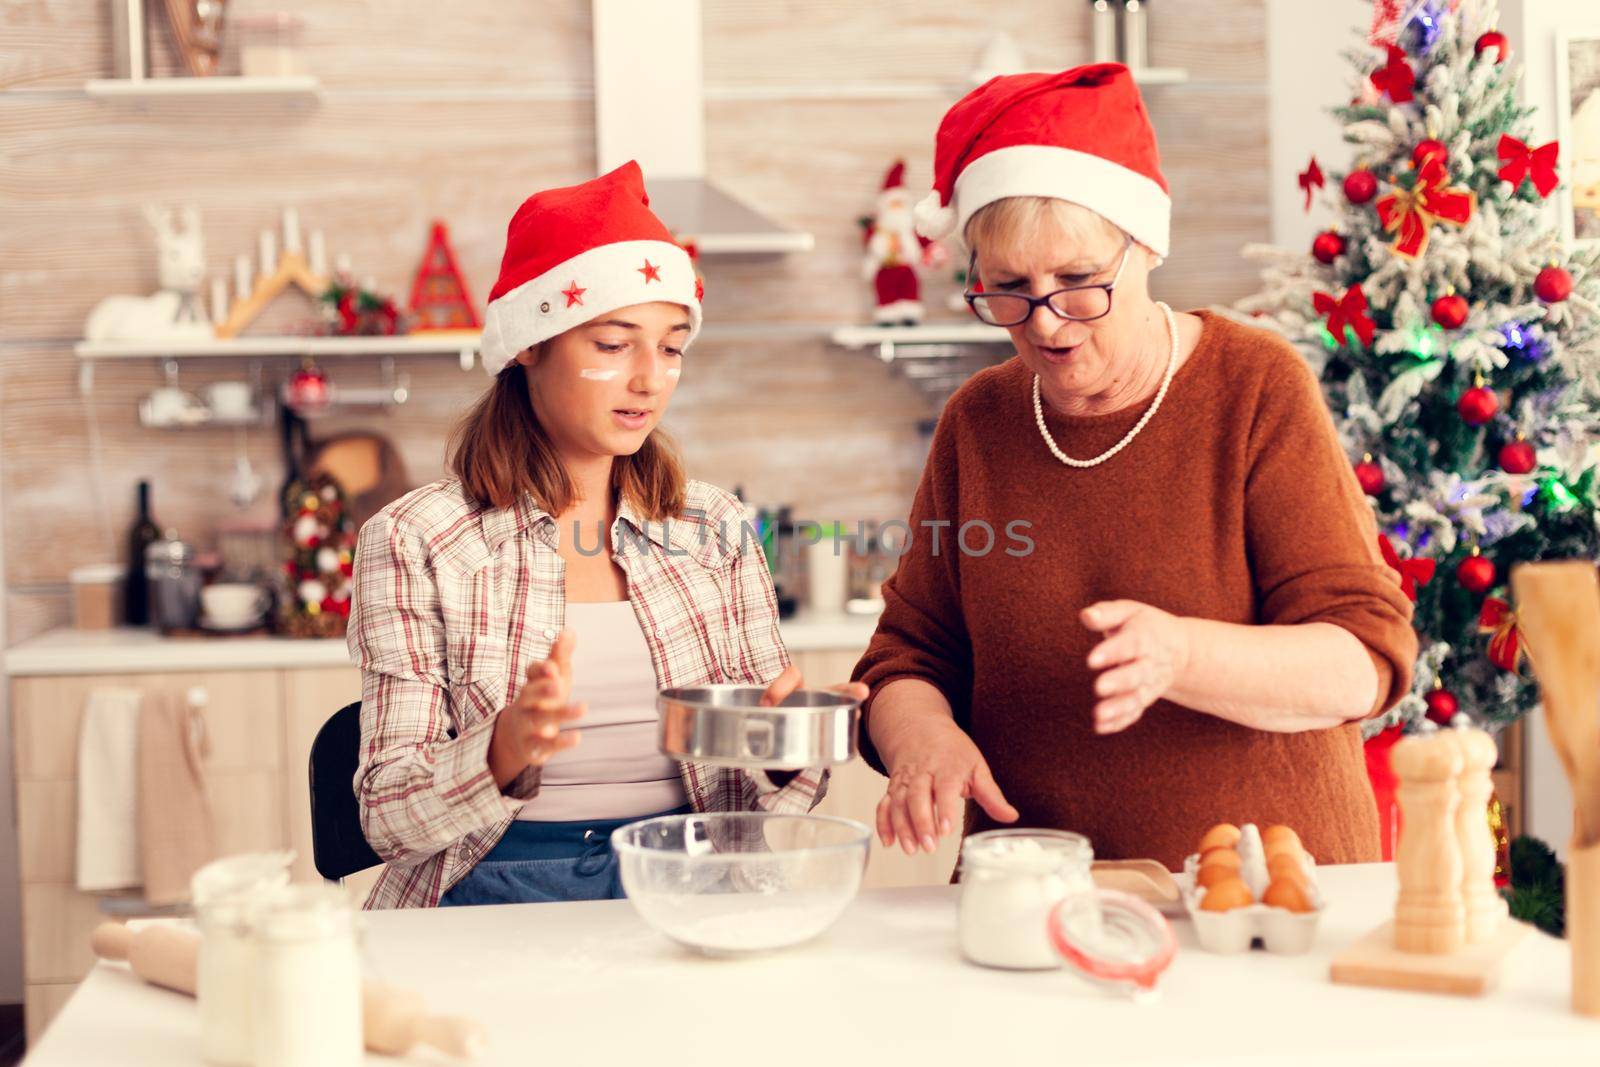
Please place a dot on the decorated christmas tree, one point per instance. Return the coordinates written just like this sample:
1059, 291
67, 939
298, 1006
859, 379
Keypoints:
1455, 339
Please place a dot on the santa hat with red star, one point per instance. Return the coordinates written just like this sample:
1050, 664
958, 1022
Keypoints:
1081, 135
574, 254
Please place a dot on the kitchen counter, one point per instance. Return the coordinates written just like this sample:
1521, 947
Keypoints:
127, 651
591, 983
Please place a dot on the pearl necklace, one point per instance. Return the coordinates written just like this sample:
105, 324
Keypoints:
1155, 405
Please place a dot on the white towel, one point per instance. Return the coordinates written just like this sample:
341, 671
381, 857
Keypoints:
108, 791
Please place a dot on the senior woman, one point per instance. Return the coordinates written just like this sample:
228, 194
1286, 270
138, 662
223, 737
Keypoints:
1196, 615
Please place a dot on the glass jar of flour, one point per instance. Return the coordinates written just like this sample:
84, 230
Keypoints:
308, 979
227, 894
1010, 882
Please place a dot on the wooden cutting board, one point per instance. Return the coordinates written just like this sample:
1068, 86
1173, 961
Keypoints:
1471, 972
1146, 879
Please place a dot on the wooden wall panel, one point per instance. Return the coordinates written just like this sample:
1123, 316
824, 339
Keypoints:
461, 111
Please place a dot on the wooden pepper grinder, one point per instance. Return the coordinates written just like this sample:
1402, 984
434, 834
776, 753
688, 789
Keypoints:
1429, 916
1484, 908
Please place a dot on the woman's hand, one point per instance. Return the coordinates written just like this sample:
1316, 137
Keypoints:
934, 769
528, 731
1145, 651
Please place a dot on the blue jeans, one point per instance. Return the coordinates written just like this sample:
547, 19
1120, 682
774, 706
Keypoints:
538, 862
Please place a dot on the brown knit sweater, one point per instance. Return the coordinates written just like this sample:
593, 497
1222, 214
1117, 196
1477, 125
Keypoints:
1235, 503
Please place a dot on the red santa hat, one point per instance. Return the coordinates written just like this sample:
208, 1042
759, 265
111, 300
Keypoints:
895, 178
574, 254
1081, 135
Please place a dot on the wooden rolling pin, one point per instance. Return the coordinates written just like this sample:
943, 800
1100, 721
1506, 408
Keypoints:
1558, 611
393, 1020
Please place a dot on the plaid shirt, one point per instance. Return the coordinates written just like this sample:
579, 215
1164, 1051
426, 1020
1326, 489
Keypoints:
453, 602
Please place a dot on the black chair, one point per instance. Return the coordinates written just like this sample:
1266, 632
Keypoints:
338, 847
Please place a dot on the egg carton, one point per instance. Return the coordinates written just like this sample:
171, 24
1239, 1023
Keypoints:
1279, 930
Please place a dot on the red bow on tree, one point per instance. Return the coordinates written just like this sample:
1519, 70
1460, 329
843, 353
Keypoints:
1349, 310
1413, 572
1414, 211
1395, 77
1311, 178
1518, 161
1505, 646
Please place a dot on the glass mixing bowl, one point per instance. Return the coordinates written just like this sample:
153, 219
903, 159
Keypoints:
727, 883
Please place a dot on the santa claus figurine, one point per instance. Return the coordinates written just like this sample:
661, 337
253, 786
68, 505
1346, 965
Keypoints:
895, 253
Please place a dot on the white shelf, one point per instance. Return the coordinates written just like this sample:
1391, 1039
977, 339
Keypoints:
1160, 76
464, 345
931, 333
303, 87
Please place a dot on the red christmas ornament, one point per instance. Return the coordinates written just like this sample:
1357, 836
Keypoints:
1553, 284
1450, 311
1517, 457
1442, 706
1478, 405
1327, 247
1476, 574
307, 388
1360, 186
1311, 178
1395, 77
1370, 477
1429, 148
1496, 40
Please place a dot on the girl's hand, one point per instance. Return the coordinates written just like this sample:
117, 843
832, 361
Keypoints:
528, 731
1145, 651
791, 679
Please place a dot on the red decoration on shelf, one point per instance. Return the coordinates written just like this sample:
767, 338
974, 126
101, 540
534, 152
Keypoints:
1360, 186
439, 298
1395, 77
1411, 213
1327, 247
1413, 572
1496, 40
1478, 405
1428, 149
1476, 573
1553, 284
1311, 178
1505, 643
1348, 310
1450, 311
307, 389
1442, 706
1518, 161
1517, 457
1370, 476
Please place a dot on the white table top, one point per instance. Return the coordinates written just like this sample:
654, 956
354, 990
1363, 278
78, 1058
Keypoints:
590, 983
138, 651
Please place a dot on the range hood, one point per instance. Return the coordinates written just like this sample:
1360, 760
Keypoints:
649, 105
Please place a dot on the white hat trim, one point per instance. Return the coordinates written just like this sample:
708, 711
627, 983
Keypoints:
1127, 198
610, 276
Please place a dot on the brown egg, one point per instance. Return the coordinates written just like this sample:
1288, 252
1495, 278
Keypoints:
1227, 895
1284, 847
1279, 833
1286, 865
1287, 893
1222, 835
1222, 857
1210, 876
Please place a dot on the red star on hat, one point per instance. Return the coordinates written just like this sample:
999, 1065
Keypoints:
651, 272
573, 294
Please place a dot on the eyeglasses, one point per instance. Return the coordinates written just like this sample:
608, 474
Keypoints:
1079, 303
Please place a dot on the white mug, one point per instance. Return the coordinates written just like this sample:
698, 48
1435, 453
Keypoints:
167, 405
232, 605
230, 400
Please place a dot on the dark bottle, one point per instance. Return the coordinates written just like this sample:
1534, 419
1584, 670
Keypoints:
140, 537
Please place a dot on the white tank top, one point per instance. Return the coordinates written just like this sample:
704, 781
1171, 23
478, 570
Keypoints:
616, 771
